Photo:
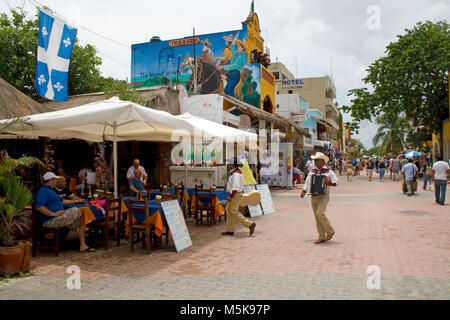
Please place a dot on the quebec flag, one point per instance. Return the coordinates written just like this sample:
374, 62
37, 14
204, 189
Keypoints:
56, 40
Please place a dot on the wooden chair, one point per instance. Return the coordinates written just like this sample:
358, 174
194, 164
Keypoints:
200, 208
112, 220
39, 240
144, 228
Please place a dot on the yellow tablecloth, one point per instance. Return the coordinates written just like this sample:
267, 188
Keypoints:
88, 216
155, 219
218, 207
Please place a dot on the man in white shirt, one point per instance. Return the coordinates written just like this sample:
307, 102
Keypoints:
319, 202
136, 166
309, 166
439, 175
235, 187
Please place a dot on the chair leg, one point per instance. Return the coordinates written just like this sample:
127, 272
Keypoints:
131, 241
118, 234
106, 234
167, 236
56, 235
148, 239
34, 244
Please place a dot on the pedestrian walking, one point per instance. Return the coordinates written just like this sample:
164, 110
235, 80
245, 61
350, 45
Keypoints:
235, 187
427, 170
319, 202
409, 172
395, 168
381, 169
439, 175
349, 168
370, 165
309, 166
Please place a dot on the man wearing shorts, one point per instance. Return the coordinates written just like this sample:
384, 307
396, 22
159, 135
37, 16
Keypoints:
370, 165
52, 213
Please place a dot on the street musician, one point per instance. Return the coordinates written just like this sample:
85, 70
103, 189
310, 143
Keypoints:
317, 183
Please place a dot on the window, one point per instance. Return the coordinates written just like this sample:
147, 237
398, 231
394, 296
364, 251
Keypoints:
276, 75
278, 106
290, 91
284, 77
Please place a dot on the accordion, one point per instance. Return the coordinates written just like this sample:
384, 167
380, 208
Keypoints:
316, 185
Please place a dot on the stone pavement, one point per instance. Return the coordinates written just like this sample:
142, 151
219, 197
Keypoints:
407, 238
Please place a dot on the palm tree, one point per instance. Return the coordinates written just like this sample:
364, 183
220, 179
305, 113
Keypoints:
391, 133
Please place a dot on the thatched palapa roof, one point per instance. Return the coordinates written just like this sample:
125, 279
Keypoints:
15, 104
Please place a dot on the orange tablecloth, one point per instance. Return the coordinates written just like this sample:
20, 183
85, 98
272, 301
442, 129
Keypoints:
88, 216
155, 219
218, 207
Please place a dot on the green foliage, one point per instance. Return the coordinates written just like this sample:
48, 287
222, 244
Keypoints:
18, 47
373, 150
14, 197
391, 133
123, 90
412, 78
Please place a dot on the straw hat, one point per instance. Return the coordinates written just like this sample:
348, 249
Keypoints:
206, 42
320, 155
242, 43
229, 38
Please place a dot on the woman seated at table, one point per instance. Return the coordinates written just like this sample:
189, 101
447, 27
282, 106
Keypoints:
136, 185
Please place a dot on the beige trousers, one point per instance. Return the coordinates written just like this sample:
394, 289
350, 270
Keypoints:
234, 214
319, 205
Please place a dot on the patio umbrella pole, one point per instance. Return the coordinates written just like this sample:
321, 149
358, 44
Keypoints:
115, 159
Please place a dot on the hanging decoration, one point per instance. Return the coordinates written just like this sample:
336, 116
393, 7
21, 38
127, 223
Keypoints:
102, 168
49, 162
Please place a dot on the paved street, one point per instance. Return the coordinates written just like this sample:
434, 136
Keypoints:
408, 238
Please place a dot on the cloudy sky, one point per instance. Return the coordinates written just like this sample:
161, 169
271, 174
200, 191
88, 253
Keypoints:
310, 37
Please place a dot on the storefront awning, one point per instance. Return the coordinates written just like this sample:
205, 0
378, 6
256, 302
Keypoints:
264, 115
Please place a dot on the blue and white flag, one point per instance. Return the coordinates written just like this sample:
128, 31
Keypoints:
56, 40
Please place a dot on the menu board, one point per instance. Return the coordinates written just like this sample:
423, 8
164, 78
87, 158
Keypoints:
253, 210
177, 225
266, 198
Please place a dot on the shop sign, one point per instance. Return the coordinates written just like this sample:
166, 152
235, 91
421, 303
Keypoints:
300, 117
184, 42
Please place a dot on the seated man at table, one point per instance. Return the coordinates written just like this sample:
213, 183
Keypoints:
64, 192
136, 185
134, 167
52, 213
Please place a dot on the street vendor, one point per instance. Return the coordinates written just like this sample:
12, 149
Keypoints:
319, 202
235, 187
52, 213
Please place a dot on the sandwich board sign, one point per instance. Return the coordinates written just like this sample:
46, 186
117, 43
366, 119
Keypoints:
253, 210
177, 225
266, 198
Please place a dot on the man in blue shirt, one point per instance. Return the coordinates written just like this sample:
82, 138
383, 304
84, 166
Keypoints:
409, 172
52, 213
136, 185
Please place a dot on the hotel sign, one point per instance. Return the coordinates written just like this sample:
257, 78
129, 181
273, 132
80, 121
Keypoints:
292, 84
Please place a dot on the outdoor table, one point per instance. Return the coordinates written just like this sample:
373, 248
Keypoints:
91, 213
217, 196
154, 193
156, 215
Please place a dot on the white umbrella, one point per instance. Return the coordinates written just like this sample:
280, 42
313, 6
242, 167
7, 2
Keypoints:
112, 120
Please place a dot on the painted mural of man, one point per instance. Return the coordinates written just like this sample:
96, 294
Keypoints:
226, 53
237, 63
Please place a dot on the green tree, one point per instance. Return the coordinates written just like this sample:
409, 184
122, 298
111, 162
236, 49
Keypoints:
18, 47
391, 133
412, 79
123, 90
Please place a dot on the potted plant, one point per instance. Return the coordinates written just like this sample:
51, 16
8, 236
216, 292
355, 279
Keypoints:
14, 197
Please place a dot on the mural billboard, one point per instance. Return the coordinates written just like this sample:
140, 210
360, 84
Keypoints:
222, 65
